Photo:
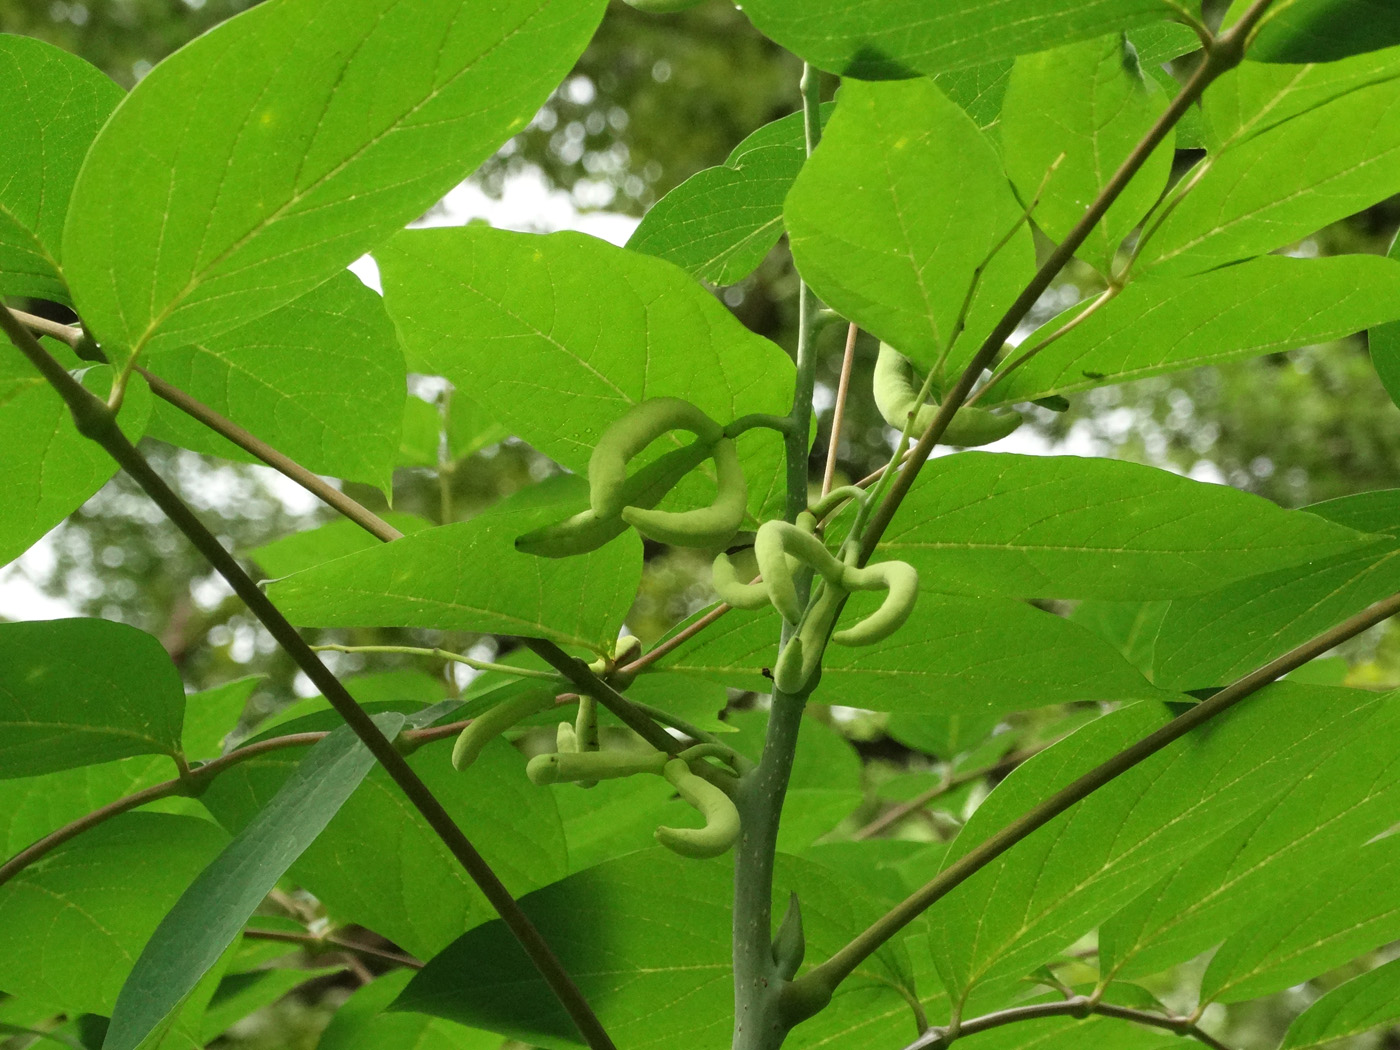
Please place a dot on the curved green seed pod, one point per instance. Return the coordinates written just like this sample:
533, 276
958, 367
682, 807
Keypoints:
789, 673
896, 393
587, 531
725, 579
775, 541
712, 526
565, 740
586, 731
637, 428
488, 725
790, 945
593, 765
721, 817
901, 581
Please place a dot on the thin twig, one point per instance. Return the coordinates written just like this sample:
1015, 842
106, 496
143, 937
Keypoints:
838, 413
314, 943
676, 640
1080, 1006
97, 422
1226, 52
894, 815
830, 973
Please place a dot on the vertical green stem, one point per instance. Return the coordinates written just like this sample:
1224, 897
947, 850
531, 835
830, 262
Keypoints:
759, 1023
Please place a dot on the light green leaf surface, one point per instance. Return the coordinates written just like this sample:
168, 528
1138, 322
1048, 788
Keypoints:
901, 201
1062, 880
1383, 340
1288, 179
1130, 626
979, 90
1085, 106
1217, 637
1066, 1033
51, 107
720, 223
957, 655
303, 550
1325, 30
187, 219
557, 336
75, 922
1345, 794
647, 939
321, 380
365, 1023
32, 807
49, 470
210, 913
469, 576
1348, 910
1170, 324
1069, 527
212, 714
904, 38
81, 691
415, 892
1360, 1005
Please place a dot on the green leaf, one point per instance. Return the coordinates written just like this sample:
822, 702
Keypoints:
303, 550
643, 936
720, 223
557, 336
1169, 324
241, 994
1345, 794
966, 656
1360, 1005
1325, 30
470, 577
93, 903
188, 220
1066, 1033
1081, 867
1377, 511
212, 714
32, 807
1285, 181
51, 107
78, 692
1086, 106
49, 470
1131, 627
415, 893
904, 38
1069, 527
321, 380
210, 913
365, 1023
1384, 343
980, 91
1217, 637
888, 219
1348, 910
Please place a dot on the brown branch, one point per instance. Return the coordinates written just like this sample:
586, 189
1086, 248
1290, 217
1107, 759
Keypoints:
1079, 1006
313, 943
96, 421
838, 413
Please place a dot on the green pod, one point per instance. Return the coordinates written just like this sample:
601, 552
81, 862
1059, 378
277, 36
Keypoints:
488, 725
721, 816
896, 391
637, 428
712, 526
790, 672
587, 531
725, 580
901, 582
789, 944
779, 548
586, 731
593, 765
565, 739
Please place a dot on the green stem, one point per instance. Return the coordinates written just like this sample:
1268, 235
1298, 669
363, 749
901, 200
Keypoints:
439, 654
97, 422
825, 977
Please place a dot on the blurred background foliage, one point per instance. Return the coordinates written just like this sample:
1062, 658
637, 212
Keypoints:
654, 100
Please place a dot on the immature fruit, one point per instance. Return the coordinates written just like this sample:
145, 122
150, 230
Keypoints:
488, 725
711, 526
721, 817
901, 581
628, 435
897, 387
593, 765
